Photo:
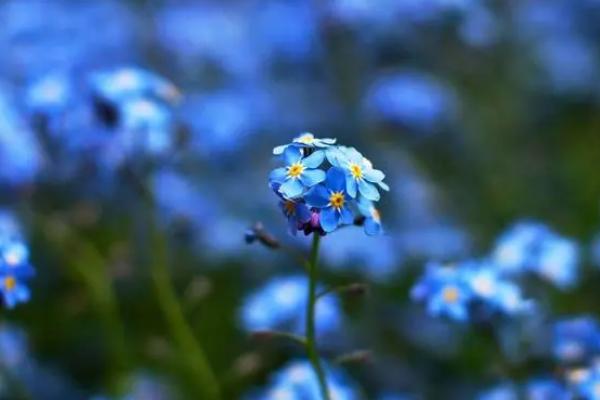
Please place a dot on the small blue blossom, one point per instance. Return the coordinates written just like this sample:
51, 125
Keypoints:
305, 140
361, 177
532, 247
298, 214
585, 382
412, 99
471, 290
575, 339
281, 305
546, 389
126, 83
297, 381
333, 201
299, 174
444, 291
15, 269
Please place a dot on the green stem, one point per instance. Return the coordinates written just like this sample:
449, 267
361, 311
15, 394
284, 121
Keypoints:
311, 345
192, 354
85, 262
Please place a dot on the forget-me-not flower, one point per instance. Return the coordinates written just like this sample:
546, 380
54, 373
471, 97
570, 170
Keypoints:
299, 174
333, 201
361, 177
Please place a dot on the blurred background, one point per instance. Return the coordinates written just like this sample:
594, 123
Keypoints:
481, 113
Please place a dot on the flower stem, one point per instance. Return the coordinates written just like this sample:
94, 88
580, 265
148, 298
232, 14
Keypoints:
192, 354
311, 345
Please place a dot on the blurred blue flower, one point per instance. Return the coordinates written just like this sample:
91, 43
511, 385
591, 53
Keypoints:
470, 290
444, 291
412, 99
333, 201
505, 391
20, 154
281, 304
299, 174
575, 339
297, 381
546, 389
595, 250
585, 382
15, 269
286, 29
49, 95
120, 85
479, 27
361, 177
529, 246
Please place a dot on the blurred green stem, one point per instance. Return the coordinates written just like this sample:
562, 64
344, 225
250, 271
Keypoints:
86, 263
311, 345
192, 353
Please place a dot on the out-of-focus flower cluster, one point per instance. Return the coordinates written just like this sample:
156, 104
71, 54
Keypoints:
318, 198
15, 269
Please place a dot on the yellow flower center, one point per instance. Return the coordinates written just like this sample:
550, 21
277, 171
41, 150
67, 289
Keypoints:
9, 283
356, 171
295, 170
337, 200
306, 139
450, 294
290, 207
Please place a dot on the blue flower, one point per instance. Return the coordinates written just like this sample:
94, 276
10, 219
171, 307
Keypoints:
360, 174
123, 84
546, 389
533, 247
281, 304
14, 263
471, 290
575, 339
297, 381
300, 173
372, 216
444, 291
585, 382
333, 200
297, 213
305, 140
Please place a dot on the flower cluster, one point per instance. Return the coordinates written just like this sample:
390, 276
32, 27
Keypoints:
531, 247
14, 263
470, 291
324, 186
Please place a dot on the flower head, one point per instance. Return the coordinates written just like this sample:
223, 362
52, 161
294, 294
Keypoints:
324, 185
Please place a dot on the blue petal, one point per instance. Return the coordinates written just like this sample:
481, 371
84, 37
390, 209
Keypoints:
372, 228
336, 179
314, 160
318, 197
332, 156
291, 188
346, 216
278, 175
280, 149
351, 186
311, 177
329, 219
292, 155
373, 175
384, 186
368, 190
328, 140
